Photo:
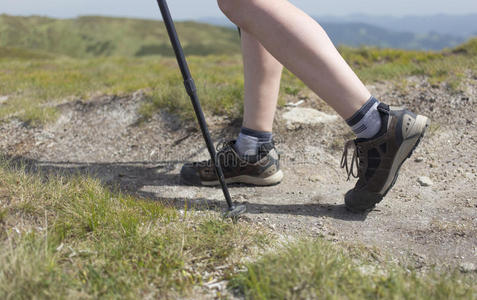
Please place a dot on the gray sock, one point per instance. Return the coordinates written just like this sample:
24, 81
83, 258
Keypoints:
366, 122
250, 140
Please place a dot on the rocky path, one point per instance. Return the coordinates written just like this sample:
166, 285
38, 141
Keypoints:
423, 223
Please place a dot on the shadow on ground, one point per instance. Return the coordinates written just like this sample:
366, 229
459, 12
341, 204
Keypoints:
131, 177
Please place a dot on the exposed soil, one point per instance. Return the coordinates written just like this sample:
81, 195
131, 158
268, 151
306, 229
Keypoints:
433, 225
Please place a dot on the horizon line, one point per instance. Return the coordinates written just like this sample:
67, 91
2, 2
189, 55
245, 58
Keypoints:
225, 18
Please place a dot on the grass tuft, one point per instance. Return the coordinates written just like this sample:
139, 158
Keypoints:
71, 237
319, 270
469, 48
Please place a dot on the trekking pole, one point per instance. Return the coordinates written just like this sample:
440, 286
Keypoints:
233, 210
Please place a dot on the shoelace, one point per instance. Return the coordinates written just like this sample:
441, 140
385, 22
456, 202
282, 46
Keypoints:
220, 147
354, 159
223, 145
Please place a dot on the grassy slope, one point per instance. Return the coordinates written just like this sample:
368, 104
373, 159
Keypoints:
30, 83
23, 54
85, 37
72, 238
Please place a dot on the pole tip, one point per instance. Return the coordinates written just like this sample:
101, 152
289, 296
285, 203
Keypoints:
235, 211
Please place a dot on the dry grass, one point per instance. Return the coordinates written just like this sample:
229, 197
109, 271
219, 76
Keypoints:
319, 270
71, 237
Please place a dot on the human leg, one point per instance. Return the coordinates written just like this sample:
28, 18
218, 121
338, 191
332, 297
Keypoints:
386, 136
301, 45
252, 159
262, 73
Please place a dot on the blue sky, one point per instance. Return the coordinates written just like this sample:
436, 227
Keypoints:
192, 9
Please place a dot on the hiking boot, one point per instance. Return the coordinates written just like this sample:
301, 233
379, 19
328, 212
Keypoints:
379, 159
261, 169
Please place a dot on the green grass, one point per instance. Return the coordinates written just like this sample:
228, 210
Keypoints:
320, 270
468, 49
34, 81
73, 238
38, 82
32, 85
449, 66
19, 53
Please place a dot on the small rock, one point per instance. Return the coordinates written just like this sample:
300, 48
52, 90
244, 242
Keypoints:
467, 267
295, 104
425, 181
139, 95
301, 115
419, 159
315, 178
469, 175
292, 126
3, 99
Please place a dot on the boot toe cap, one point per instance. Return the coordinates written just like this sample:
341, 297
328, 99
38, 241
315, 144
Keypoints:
361, 201
190, 175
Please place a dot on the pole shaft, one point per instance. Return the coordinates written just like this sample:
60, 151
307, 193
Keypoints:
192, 92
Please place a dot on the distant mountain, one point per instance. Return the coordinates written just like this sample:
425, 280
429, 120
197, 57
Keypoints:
358, 33
464, 26
456, 25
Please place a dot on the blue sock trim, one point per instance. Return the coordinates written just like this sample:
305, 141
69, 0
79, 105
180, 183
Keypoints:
361, 112
262, 136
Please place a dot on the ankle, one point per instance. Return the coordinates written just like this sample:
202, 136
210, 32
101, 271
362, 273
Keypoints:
366, 122
249, 140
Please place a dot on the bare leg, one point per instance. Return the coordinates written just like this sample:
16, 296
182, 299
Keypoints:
262, 73
302, 46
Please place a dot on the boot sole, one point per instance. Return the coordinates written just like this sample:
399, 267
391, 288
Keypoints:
247, 179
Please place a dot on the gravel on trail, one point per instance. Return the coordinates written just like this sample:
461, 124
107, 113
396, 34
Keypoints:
435, 224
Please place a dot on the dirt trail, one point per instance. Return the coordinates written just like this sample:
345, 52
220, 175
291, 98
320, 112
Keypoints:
425, 225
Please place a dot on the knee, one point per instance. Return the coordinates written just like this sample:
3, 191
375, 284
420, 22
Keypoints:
227, 7
235, 9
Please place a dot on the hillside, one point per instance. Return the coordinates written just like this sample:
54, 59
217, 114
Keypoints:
31, 79
19, 53
360, 34
104, 36
456, 25
101, 36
